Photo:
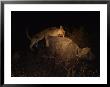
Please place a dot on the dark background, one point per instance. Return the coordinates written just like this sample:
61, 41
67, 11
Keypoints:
38, 20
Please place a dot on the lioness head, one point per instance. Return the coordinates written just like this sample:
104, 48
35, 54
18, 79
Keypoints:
61, 32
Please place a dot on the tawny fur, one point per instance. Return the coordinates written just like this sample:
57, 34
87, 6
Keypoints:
59, 32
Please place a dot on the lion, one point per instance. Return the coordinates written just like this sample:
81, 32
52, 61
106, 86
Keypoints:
53, 31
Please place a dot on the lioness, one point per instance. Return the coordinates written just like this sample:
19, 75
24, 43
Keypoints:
53, 31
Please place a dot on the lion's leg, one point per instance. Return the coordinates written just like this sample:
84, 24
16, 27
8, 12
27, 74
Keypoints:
47, 42
32, 43
35, 41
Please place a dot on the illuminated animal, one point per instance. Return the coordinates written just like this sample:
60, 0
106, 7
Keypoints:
53, 31
83, 52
